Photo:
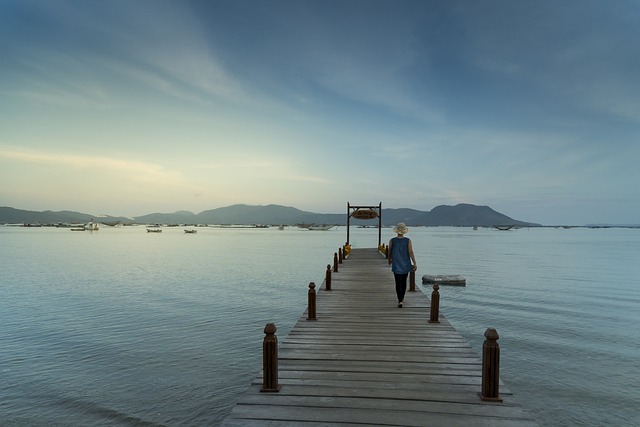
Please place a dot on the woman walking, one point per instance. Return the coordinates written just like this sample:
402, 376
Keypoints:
401, 256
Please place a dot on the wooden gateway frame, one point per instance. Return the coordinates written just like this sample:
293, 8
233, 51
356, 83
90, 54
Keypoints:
365, 212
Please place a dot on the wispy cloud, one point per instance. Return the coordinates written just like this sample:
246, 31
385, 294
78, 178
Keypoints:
132, 170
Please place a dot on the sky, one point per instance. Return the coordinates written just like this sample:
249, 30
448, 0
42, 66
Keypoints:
132, 107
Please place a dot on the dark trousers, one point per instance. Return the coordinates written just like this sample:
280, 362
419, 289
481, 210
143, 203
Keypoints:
401, 285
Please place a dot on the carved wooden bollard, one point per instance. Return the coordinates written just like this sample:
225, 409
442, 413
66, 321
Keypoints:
327, 279
335, 262
270, 360
311, 309
340, 256
435, 305
412, 281
490, 367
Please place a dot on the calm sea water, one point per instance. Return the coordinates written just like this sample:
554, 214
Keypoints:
121, 327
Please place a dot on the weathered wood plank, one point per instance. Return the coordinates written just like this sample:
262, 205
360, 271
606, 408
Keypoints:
366, 362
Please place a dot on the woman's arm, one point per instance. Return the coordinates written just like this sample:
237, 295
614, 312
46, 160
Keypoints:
412, 256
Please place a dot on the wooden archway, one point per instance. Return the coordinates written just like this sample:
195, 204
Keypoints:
365, 212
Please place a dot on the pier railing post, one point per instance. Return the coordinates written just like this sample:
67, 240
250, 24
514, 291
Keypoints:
340, 256
435, 305
311, 309
335, 262
412, 281
270, 360
490, 367
327, 279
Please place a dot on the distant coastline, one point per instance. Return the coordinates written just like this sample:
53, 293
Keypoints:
461, 215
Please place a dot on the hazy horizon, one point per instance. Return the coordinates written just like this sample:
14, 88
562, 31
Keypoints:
131, 107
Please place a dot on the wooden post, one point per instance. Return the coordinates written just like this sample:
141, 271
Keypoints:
311, 309
270, 360
327, 280
335, 262
412, 281
435, 305
490, 367
340, 257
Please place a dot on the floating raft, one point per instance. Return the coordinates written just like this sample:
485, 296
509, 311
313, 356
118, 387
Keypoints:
451, 279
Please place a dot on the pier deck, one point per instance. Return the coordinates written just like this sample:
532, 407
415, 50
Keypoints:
365, 361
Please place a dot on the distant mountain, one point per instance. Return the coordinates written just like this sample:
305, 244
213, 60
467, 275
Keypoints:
179, 217
17, 216
270, 214
465, 214
460, 215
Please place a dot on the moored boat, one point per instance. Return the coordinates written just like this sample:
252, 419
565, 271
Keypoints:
451, 279
91, 226
321, 227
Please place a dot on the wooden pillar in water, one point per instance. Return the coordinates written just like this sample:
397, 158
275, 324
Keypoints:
435, 305
311, 309
490, 367
327, 280
270, 360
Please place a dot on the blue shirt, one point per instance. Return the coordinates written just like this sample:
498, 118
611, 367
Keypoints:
400, 259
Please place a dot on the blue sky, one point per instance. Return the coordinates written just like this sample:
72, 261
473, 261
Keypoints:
133, 107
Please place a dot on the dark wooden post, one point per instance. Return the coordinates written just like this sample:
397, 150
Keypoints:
490, 367
335, 262
270, 360
311, 309
435, 305
412, 281
340, 257
327, 280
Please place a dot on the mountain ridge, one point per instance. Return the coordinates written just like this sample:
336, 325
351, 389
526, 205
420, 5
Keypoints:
462, 214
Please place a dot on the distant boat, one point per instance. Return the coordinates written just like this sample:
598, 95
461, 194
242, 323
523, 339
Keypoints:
91, 226
189, 231
503, 227
452, 279
321, 227
154, 230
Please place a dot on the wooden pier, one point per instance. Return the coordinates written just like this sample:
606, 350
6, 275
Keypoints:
365, 361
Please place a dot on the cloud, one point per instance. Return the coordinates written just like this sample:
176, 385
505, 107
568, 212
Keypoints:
131, 170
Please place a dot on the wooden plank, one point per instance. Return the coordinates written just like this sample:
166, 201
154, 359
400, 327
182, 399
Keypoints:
366, 362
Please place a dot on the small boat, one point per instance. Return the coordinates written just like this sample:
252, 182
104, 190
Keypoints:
451, 279
503, 227
154, 230
91, 226
321, 227
190, 231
